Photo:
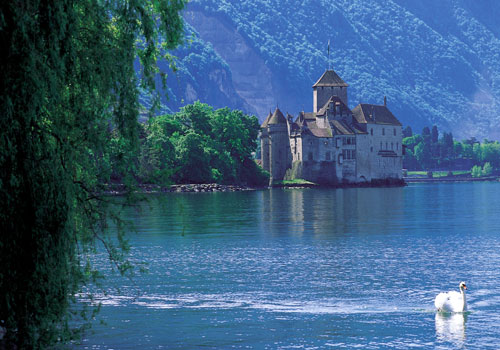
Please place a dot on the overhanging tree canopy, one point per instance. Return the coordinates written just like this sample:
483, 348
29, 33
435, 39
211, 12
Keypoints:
67, 81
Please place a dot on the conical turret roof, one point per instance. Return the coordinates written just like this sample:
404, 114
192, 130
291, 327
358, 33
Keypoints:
277, 117
266, 121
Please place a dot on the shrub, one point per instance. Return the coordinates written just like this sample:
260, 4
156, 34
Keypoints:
476, 171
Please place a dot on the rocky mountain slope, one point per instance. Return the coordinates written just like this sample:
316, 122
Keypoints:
438, 62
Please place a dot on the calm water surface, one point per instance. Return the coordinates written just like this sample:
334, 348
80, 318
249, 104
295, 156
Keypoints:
310, 269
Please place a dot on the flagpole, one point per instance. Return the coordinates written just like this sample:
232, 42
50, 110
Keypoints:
328, 54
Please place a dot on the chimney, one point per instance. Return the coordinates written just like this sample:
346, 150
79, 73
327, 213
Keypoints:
385, 101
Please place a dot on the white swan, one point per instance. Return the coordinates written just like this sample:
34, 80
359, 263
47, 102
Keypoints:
452, 301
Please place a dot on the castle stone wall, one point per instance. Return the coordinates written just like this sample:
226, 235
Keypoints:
384, 138
321, 94
279, 148
364, 157
264, 149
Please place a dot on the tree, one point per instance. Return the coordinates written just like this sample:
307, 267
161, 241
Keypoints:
490, 152
407, 132
476, 171
487, 169
412, 141
69, 101
426, 132
434, 134
191, 158
209, 146
423, 155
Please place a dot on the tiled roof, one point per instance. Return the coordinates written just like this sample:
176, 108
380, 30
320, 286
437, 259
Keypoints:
374, 114
318, 132
337, 101
330, 78
277, 118
342, 128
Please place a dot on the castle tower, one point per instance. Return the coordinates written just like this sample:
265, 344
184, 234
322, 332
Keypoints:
328, 85
264, 143
279, 145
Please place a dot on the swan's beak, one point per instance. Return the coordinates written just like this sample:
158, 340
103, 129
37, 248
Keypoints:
465, 287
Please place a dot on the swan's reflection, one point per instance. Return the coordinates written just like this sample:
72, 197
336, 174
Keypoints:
451, 327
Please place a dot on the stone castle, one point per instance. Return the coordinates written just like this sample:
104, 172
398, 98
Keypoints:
333, 144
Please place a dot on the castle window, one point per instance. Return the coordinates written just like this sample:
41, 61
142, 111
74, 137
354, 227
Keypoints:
392, 145
371, 149
380, 144
340, 159
397, 146
371, 132
387, 145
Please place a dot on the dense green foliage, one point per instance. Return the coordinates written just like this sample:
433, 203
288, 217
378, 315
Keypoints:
69, 102
453, 81
201, 145
427, 151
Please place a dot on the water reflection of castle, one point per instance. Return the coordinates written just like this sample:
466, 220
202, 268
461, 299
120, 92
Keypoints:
328, 212
333, 144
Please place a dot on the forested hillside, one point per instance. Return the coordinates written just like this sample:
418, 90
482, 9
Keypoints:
436, 61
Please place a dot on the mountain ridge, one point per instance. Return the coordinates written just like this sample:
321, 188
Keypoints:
437, 63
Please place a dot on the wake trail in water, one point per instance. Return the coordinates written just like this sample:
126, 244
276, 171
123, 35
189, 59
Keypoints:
223, 301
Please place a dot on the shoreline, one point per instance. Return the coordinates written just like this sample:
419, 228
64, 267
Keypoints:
118, 189
194, 188
450, 179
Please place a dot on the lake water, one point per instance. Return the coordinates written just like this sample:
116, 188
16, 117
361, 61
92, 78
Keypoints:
310, 269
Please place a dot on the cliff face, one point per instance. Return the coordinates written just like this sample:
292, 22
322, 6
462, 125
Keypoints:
251, 78
437, 62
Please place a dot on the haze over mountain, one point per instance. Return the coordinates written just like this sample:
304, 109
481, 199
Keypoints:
438, 62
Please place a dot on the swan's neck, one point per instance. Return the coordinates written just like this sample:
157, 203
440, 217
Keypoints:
464, 300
